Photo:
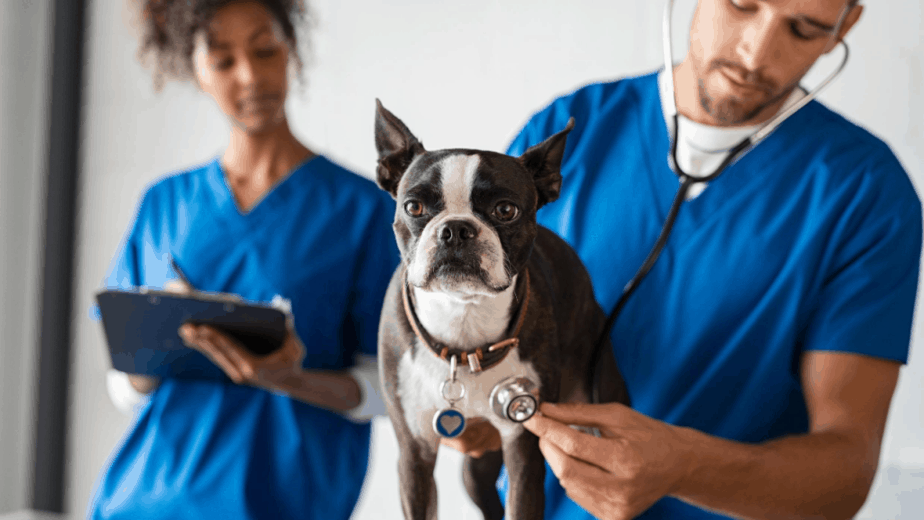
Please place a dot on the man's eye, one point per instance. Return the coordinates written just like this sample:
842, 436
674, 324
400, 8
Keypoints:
741, 6
414, 208
806, 31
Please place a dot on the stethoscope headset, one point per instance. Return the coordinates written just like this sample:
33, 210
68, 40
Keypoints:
687, 180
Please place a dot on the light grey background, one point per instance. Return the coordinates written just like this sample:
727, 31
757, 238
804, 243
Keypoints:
460, 74
23, 49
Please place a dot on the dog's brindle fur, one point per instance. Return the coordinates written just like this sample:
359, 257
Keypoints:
562, 322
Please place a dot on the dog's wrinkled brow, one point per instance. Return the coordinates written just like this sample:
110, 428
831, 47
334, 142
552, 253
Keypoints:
423, 191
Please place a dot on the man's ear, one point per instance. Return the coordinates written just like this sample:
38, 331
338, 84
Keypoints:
396, 146
543, 161
850, 19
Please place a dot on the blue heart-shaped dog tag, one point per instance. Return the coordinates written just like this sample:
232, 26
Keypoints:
448, 423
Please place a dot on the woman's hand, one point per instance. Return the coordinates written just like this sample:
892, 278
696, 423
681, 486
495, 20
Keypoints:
147, 384
143, 384
479, 437
637, 461
277, 371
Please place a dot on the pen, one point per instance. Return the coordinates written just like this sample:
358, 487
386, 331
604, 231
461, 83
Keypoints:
179, 273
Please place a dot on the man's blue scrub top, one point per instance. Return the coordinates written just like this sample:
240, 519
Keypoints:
321, 238
810, 242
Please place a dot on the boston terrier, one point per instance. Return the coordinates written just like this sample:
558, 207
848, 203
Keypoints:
488, 314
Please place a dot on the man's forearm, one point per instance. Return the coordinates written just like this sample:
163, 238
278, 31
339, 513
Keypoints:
819, 475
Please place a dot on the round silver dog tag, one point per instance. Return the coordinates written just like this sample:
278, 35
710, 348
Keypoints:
449, 422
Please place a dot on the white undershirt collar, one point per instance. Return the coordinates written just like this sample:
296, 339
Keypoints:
702, 148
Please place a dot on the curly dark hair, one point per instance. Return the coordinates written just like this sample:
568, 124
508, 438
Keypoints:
168, 29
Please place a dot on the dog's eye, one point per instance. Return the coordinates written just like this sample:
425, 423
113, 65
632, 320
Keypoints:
413, 208
506, 212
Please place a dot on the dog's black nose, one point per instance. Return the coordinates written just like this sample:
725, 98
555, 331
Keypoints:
456, 232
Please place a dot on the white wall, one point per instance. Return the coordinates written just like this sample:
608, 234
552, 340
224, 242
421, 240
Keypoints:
464, 74
23, 47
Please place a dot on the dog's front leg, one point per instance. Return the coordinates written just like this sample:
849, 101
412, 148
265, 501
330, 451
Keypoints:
526, 474
418, 487
480, 478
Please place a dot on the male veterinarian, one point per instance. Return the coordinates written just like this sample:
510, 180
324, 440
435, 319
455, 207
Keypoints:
762, 350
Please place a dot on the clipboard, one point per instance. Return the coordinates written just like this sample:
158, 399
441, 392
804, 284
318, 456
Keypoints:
141, 328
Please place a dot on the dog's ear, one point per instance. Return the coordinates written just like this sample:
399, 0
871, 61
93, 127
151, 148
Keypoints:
397, 148
543, 161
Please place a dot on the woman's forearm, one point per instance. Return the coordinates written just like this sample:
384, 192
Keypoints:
818, 475
324, 388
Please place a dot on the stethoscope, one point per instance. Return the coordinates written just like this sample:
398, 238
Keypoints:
687, 180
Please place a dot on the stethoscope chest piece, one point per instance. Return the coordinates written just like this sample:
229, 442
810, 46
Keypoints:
515, 399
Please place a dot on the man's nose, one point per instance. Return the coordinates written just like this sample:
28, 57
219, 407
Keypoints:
758, 45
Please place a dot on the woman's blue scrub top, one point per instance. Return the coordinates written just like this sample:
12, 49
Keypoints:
810, 242
321, 238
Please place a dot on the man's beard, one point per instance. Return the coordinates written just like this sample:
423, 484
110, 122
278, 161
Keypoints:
730, 110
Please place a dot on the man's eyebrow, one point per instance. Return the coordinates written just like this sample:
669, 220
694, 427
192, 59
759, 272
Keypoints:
811, 21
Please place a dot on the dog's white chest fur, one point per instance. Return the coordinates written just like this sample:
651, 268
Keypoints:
420, 377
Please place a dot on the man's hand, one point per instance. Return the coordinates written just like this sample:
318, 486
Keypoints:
276, 371
478, 438
637, 461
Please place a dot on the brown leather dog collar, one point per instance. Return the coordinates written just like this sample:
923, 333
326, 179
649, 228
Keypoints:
482, 358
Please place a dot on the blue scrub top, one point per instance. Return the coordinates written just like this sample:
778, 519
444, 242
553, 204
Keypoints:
204, 449
810, 242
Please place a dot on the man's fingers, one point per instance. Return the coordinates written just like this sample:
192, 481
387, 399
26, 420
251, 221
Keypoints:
579, 479
568, 469
570, 441
583, 414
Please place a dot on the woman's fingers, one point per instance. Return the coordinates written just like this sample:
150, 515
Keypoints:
241, 366
200, 339
178, 286
233, 351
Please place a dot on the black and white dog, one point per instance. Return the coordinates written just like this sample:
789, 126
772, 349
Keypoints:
484, 298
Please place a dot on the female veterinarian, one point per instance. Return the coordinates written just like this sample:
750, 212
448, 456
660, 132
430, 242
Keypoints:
286, 436
762, 350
